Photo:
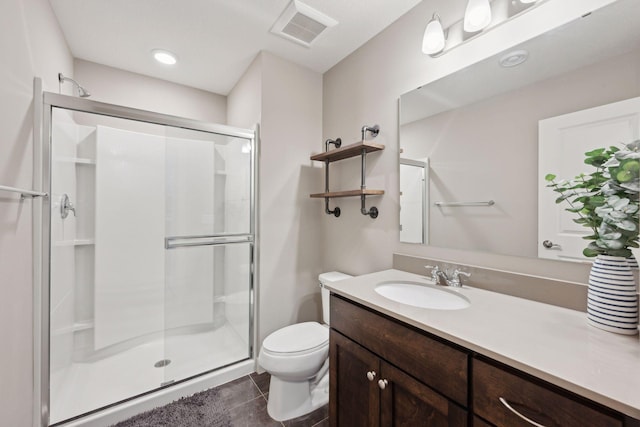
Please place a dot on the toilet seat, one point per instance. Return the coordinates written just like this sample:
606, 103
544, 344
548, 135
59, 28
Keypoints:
299, 339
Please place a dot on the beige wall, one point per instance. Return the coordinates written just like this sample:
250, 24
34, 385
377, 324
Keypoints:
364, 89
291, 243
33, 46
244, 102
473, 149
115, 86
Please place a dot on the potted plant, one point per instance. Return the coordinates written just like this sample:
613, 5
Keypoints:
607, 202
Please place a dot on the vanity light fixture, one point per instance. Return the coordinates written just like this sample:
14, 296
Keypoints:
164, 57
477, 15
434, 39
480, 17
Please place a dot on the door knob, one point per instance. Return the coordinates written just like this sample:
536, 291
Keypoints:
371, 375
382, 384
549, 244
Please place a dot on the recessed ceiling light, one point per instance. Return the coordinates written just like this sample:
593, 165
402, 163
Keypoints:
164, 57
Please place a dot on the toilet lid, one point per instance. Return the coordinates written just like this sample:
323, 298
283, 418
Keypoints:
300, 337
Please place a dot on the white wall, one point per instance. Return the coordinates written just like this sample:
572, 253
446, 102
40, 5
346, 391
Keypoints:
290, 115
33, 45
364, 89
115, 86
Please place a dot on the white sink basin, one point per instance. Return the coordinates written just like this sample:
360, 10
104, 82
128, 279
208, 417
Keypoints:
422, 295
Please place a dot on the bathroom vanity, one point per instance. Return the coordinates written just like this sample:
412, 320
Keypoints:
502, 361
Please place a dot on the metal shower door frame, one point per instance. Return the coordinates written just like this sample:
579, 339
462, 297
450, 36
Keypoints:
44, 103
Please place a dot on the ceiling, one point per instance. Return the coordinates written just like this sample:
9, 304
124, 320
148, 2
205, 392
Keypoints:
215, 40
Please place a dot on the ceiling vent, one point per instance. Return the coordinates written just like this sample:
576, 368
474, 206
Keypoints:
301, 23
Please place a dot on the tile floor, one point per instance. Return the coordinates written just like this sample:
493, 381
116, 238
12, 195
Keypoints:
247, 402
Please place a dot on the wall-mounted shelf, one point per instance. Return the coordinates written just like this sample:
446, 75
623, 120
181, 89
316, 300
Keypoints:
348, 193
348, 151
361, 149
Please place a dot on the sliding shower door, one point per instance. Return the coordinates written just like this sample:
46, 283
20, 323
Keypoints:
209, 246
151, 253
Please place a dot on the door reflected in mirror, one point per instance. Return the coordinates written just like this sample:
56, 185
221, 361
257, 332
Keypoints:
478, 132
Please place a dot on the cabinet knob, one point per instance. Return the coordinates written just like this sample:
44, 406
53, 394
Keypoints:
382, 384
371, 375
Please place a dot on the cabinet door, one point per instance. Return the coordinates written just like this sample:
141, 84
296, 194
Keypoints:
407, 402
353, 398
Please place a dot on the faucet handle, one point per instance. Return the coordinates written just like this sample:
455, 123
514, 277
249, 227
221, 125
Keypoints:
435, 270
455, 277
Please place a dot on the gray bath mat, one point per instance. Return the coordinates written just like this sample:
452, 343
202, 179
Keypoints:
203, 409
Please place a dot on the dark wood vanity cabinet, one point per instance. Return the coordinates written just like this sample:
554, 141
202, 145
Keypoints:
368, 390
387, 373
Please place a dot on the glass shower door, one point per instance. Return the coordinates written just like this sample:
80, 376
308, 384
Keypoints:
208, 252
150, 253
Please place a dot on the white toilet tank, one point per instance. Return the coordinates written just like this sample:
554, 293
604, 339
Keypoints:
325, 279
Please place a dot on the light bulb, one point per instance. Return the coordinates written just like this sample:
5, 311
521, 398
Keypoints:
433, 40
477, 15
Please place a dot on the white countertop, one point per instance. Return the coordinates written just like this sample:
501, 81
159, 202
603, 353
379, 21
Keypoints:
549, 342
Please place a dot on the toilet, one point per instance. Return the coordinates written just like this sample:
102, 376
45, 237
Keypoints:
297, 357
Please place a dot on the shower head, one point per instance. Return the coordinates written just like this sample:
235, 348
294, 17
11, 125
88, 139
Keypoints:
82, 92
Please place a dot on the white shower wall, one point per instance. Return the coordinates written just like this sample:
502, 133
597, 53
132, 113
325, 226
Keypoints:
129, 234
68, 237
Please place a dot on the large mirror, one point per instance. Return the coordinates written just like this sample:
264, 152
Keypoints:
471, 176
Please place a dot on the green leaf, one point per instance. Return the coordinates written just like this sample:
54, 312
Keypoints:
590, 252
549, 177
596, 152
562, 198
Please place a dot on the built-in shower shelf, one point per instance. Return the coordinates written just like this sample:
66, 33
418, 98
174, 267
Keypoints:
83, 326
76, 242
76, 160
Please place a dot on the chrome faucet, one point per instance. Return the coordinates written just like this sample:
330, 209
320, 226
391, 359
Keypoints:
444, 278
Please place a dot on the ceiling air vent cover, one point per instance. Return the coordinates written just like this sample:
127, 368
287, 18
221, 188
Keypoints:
301, 23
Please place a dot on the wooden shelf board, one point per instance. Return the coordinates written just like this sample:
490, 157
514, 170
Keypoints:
348, 193
348, 151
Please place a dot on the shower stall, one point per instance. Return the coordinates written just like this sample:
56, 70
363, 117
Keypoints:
147, 254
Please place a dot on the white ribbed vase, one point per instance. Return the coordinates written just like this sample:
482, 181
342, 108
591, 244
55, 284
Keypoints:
612, 301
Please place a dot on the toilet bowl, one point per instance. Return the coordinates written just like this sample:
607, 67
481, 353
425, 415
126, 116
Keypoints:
297, 357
